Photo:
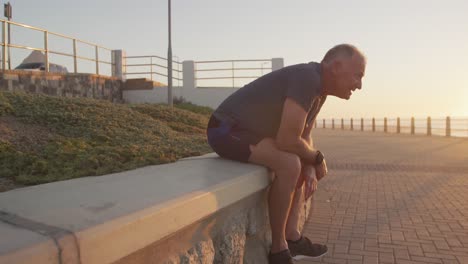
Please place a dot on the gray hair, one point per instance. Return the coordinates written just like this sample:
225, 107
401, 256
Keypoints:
342, 51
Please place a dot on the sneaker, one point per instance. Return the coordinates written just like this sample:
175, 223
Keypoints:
304, 249
282, 257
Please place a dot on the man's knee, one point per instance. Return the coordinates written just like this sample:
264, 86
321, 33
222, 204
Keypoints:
284, 164
290, 166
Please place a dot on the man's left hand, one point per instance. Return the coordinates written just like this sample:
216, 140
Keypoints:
309, 180
311, 184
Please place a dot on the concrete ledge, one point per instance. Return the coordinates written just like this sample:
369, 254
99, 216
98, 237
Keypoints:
103, 219
21, 246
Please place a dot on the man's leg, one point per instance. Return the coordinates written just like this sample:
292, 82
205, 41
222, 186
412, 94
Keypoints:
287, 168
300, 246
292, 226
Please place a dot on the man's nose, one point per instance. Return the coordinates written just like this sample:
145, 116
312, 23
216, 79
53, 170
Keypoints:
359, 84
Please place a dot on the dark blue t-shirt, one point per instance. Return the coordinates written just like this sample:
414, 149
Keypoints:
258, 105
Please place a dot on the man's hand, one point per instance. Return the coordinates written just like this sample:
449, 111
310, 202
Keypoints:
321, 170
310, 181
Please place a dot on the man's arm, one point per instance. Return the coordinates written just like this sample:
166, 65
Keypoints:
290, 133
307, 134
308, 171
320, 169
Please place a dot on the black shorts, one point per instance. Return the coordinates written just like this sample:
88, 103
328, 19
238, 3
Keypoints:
230, 141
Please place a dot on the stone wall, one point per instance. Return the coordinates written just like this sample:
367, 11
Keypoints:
239, 233
66, 85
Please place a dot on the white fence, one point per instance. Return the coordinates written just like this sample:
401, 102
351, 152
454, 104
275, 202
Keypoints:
191, 91
61, 46
448, 126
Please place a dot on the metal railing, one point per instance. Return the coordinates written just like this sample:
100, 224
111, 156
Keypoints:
151, 67
47, 51
450, 127
232, 69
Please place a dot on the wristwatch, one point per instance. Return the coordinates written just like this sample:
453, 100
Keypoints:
319, 158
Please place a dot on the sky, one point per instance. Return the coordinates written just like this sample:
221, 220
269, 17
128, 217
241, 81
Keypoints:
417, 51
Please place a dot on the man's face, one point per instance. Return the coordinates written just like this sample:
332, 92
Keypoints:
348, 75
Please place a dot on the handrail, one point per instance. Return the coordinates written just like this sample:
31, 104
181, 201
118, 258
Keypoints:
53, 33
220, 61
151, 66
237, 69
46, 50
233, 69
227, 77
150, 56
157, 73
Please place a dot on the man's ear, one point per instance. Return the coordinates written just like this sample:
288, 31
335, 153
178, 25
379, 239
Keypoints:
336, 66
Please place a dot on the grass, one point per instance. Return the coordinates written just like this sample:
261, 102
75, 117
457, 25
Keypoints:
45, 139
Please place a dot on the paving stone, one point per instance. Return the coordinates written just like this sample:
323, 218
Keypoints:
393, 198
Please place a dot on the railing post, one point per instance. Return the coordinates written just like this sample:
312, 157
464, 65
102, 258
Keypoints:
429, 126
352, 127
342, 124
277, 63
232, 74
448, 131
333, 123
4, 40
178, 72
75, 62
97, 60
324, 123
362, 124
188, 74
151, 68
118, 64
46, 48
373, 124
412, 126
385, 127
398, 126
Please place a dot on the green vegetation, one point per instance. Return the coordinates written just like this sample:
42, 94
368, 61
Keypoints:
204, 110
45, 139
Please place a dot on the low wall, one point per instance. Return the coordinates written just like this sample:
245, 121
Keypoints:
197, 210
66, 85
239, 233
204, 96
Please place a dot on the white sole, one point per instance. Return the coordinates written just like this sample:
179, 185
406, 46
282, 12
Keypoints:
301, 257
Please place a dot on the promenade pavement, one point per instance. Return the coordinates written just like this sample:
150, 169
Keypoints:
391, 198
